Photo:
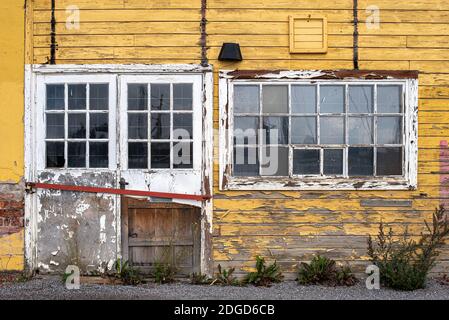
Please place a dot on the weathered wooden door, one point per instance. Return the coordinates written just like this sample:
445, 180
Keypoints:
166, 233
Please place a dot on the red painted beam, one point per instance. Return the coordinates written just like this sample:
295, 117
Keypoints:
140, 193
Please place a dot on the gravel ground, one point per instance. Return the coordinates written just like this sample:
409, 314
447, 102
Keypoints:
52, 288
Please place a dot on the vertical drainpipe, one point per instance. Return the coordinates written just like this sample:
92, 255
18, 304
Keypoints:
356, 34
203, 39
53, 34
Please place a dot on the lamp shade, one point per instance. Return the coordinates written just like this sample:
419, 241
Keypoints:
230, 52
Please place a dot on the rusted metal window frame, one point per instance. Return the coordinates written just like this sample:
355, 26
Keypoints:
304, 182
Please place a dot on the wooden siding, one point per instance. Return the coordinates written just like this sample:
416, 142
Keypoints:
291, 226
287, 225
120, 31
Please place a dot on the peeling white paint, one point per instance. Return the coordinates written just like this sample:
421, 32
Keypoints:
102, 229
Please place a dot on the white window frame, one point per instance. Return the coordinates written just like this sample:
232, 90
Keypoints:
196, 114
304, 182
42, 82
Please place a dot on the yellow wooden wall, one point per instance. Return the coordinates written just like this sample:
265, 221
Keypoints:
290, 226
11, 133
120, 31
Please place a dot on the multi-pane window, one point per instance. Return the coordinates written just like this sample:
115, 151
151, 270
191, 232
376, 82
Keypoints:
324, 129
160, 125
77, 125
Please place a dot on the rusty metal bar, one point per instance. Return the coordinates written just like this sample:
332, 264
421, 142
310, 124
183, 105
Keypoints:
140, 193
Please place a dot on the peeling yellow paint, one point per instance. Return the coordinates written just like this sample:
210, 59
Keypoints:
11, 252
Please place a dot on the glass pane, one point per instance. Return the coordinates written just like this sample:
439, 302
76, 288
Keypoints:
55, 97
389, 161
389, 99
274, 161
275, 127
137, 126
55, 126
99, 125
361, 130
55, 154
160, 155
137, 96
245, 130
160, 126
246, 99
77, 126
306, 162
332, 130
137, 155
361, 99
275, 99
99, 97
360, 161
160, 97
183, 155
77, 96
246, 161
76, 154
389, 130
182, 96
304, 130
333, 162
332, 99
183, 126
304, 99
98, 154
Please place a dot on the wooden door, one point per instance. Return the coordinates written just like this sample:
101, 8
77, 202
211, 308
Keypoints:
161, 233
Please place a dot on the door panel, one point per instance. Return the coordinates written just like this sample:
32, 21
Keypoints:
162, 233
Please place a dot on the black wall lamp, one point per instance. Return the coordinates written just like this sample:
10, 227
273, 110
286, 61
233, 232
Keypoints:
230, 52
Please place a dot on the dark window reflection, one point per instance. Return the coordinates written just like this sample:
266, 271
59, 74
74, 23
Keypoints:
389, 161
77, 126
77, 96
360, 161
160, 97
55, 154
183, 122
98, 154
160, 155
333, 162
76, 153
137, 96
246, 161
137, 155
182, 96
99, 96
99, 125
306, 162
137, 126
55, 97
160, 126
55, 126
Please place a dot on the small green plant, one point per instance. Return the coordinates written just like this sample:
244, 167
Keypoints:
322, 270
225, 277
128, 274
405, 263
264, 276
164, 273
65, 276
199, 279
345, 277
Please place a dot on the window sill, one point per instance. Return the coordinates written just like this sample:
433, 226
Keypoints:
352, 184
